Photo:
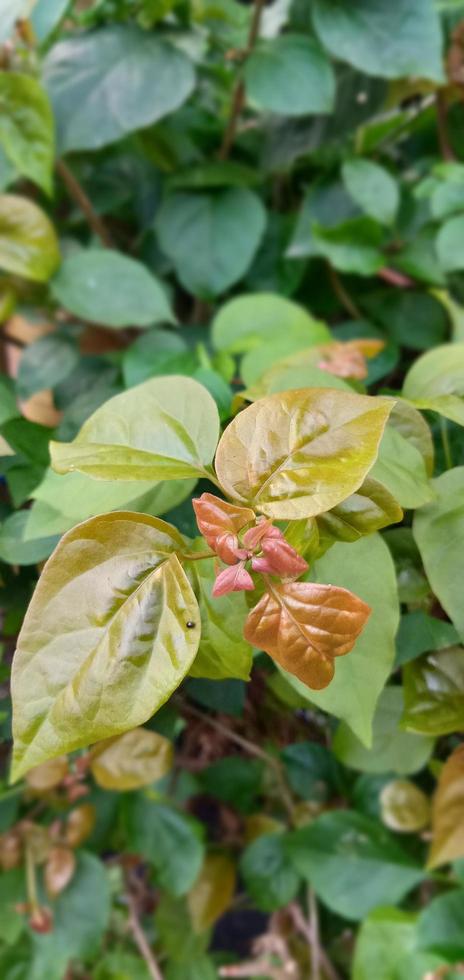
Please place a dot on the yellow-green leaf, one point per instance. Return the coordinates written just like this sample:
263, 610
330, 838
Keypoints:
164, 429
131, 760
404, 807
223, 652
299, 453
26, 127
28, 243
112, 629
448, 812
212, 892
369, 509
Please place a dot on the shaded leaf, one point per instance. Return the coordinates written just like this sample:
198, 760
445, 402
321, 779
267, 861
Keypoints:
386, 948
213, 891
174, 437
129, 761
352, 863
109, 82
291, 75
223, 652
168, 840
440, 927
269, 875
282, 454
304, 626
434, 693
373, 188
45, 363
26, 127
371, 508
114, 584
103, 286
419, 633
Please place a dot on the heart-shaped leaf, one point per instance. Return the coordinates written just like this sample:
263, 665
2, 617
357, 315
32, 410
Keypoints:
163, 429
304, 625
112, 629
299, 453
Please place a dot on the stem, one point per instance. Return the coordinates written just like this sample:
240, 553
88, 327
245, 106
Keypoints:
238, 97
141, 941
314, 930
343, 295
31, 883
252, 749
77, 193
307, 930
446, 149
395, 278
446, 443
209, 474
201, 556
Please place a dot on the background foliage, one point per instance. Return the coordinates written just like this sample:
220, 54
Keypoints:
233, 193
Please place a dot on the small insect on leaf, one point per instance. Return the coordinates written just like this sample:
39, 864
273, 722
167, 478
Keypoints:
304, 625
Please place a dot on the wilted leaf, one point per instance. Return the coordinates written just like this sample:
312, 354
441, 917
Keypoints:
131, 760
404, 807
28, 243
282, 455
59, 870
212, 892
448, 812
106, 637
434, 692
166, 428
304, 625
48, 775
80, 824
371, 508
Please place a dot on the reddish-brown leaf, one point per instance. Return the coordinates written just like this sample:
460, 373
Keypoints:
234, 579
219, 523
348, 360
80, 824
304, 625
59, 870
448, 812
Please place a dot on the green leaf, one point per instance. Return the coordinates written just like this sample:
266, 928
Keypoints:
401, 468
311, 769
269, 876
149, 353
26, 127
386, 948
419, 633
17, 547
245, 323
383, 39
168, 840
81, 916
235, 780
61, 501
281, 455
411, 318
438, 530
290, 75
450, 248
166, 428
223, 652
105, 640
440, 927
367, 510
112, 81
46, 16
353, 864
45, 363
106, 287
373, 188
353, 246
211, 238
392, 749
28, 243
365, 568
434, 693
436, 381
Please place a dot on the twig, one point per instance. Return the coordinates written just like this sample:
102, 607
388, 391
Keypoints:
140, 939
446, 149
251, 748
307, 930
342, 294
314, 932
77, 193
395, 278
238, 97
253, 968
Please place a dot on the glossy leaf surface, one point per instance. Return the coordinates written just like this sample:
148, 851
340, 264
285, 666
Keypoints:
28, 243
434, 692
174, 437
105, 640
369, 509
304, 626
282, 454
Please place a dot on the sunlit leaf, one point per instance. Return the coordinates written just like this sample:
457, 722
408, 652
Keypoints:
26, 127
369, 509
28, 243
106, 638
304, 626
129, 761
166, 428
448, 812
282, 454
